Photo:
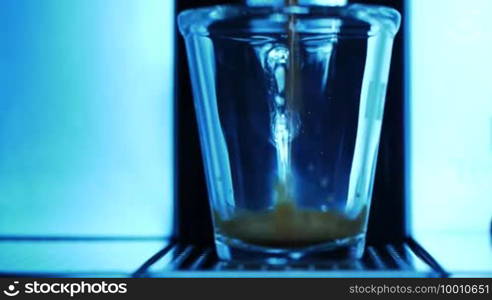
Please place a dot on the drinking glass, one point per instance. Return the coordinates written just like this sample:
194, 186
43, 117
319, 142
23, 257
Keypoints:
289, 102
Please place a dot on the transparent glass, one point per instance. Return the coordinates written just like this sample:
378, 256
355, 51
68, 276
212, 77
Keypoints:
289, 102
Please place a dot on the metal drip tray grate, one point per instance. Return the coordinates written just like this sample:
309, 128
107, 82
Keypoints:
182, 260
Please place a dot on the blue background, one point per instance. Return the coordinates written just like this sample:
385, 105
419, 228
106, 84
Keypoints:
86, 117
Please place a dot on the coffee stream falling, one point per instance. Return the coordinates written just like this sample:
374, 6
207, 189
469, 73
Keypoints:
283, 65
282, 118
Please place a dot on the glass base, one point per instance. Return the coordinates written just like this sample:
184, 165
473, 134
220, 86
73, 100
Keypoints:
349, 248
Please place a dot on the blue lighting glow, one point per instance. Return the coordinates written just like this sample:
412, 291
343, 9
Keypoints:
450, 115
86, 117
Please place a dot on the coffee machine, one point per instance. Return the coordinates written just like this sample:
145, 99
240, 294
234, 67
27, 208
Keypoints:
126, 195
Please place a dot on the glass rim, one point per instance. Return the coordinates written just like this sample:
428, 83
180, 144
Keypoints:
195, 21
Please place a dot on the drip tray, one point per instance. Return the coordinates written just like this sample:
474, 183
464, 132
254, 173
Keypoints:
391, 260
